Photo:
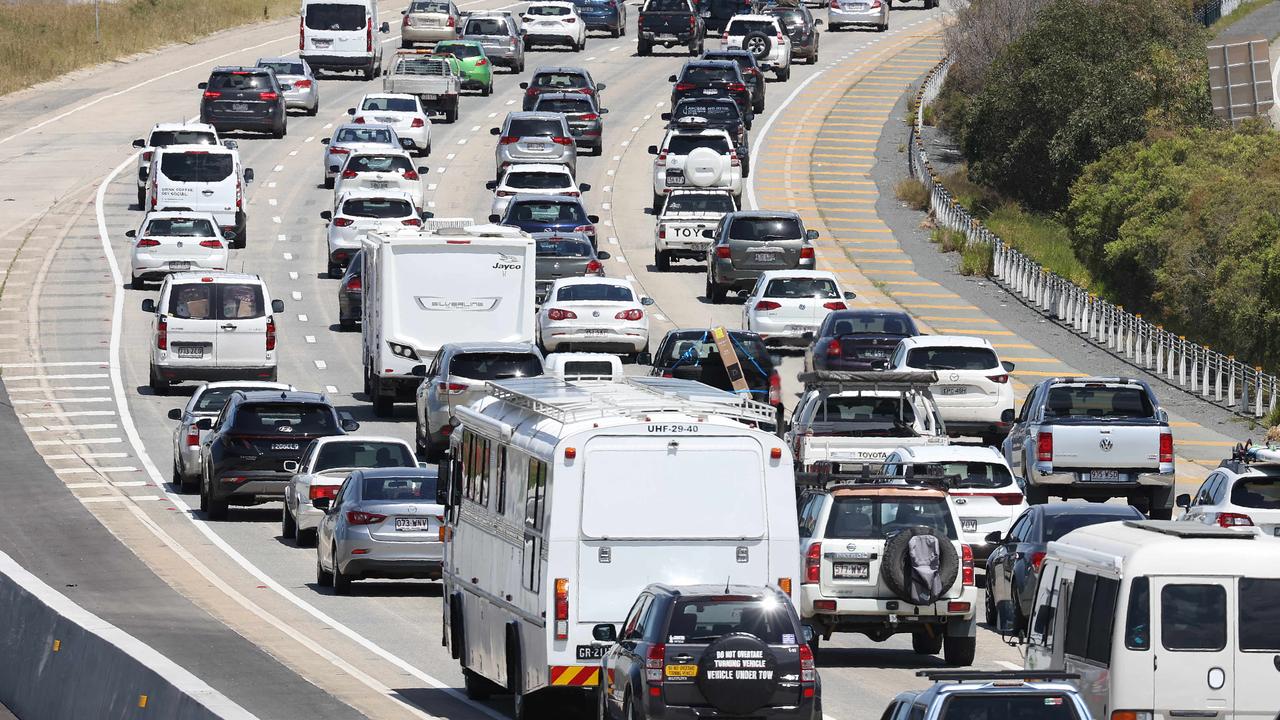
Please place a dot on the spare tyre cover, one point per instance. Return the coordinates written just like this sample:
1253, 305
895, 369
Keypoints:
896, 569
703, 167
738, 674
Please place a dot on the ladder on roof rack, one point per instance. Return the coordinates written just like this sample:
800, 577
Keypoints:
634, 398
842, 380
989, 675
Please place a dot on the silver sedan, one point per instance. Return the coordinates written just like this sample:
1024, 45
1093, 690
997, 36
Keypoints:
297, 82
383, 523
205, 402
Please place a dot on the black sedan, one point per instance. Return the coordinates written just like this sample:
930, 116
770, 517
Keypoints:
1013, 568
561, 255
351, 293
858, 339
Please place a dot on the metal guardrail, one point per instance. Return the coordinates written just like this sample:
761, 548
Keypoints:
1212, 11
1197, 369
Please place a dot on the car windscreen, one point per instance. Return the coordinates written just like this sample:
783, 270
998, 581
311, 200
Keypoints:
379, 163
363, 454
746, 27
559, 80
974, 474
563, 248
1098, 401
870, 517
180, 227
952, 358
765, 229
565, 105
410, 488
872, 416
685, 144
1258, 492
276, 418
283, 68
539, 211
429, 6
197, 166
335, 16
390, 104
537, 180
216, 301
864, 323
239, 80
460, 50
1056, 526
1041, 706
588, 3
495, 365
546, 10
703, 74
165, 138
595, 292
716, 112
381, 136
700, 203
821, 288
485, 26
788, 17
377, 208
535, 127
212, 399
701, 621
667, 6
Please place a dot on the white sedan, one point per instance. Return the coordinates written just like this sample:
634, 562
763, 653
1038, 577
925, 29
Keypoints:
603, 314
787, 306
533, 178
169, 242
404, 113
381, 170
973, 392
553, 23
359, 212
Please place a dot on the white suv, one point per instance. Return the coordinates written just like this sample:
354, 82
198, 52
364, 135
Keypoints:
973, 393
763, 37
1243, 492
166, 134
553, 23
695, 158
866, 551
212, 326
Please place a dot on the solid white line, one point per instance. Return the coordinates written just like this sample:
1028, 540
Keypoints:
68, 471
78, 413
59, 388
60, 401
77, 376
83, 441
118, 498
86, 485
86, 363
69, 427
77, 456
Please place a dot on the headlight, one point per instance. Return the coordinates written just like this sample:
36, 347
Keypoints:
403, 351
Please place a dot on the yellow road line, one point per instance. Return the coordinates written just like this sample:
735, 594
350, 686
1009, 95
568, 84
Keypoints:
961, 320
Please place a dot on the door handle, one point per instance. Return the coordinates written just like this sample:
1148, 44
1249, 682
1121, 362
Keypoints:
683, 658
228, 326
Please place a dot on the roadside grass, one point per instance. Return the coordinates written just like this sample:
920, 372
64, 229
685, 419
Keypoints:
1245, 8
913, 193
977, 259
42, 39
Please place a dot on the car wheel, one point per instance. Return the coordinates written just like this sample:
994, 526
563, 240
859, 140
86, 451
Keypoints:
718, 294
383, 406
322, 577
602, 706
341, 582
142, 197
288, 527
1037, 495
657, 202
137, 283
644, 48
629, 709
405, 44
815, 642
882, 28
990, 605
335, 271
306, 537
622, 29
662, 260
159, 386
784, 74
204, 495
615, 32
924, 643
314, 109
476, 687
834, 27
217, 509
959, 651
487, 90
328, 183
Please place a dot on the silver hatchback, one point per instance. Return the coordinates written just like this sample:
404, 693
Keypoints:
534, 137
746, 244
501, 36
297, 82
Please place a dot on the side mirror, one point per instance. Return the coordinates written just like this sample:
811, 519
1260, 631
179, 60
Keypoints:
584, 187
291, 466
351, 111
334, 169
277, 306
385, 28
495, 218
604, 111
349, 424
1162, 416
603, 255
495, 131
321, 503
593, 219
1007, 416
993, 537
149, 305
671, 78
644, 358
423, 169
230, 144
1008, 366
524, 86
666, 117
130, 233
140, 143
491, 185
175, 414
229, 234
605, 632
406, 143
248, 175
601, 86
202, 86
653, 149
850, 295
810, 234
766, 67
880, 364
816, 23
646, 301
324, 141
418, 371
326, 215
1183, 501
426, 214
204, 424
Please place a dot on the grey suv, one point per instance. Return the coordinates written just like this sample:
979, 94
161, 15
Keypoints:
501, 37
534, 137
586, 118
745, 244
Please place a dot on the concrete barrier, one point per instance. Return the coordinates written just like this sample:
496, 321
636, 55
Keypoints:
57, 660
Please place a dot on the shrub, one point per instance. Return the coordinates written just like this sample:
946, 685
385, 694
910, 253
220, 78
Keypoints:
977, 259
912, 192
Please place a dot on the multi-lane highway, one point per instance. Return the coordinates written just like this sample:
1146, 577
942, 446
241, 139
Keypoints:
75, 357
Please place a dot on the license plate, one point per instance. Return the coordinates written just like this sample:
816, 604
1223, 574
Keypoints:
682, 671
388, 120
431, 96
875, 353
536, 146
954, 389
1276, 531
675, 177
409, 524
190, 351
594, 331
179, 264
799, 328
709, 91
322, 43
764, 257
286, 88
240, 107
968, 525
851, 571
379, 184
1104, 475
591, 652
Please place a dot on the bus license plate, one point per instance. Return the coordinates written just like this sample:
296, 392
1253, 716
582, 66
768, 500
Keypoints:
410, 524
851, 571
591, 652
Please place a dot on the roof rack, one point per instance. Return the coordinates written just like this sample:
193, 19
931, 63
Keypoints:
631, 397
837, 380
828, 475
1188, 530
988, 675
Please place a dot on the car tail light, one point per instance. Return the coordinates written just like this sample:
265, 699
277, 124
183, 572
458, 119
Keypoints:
835, 305
655, 663
560, 140
1131, 715
813, 564
633, 314
876, 4
1044, 447
359, 120
148, 242
999, 379
662, 232
1011, 498
725, 37
482, 62
588, 229
584, 91
531, 91
764, 305
1230, 520
1036, 559
734, 160
354, 284
507, 140
341, 221
958, 606
833, 348
348, 174
589, 116
323, 491
451, 388
558, 314
215, 244
271, 333
570, 20
573, 193
824, 605
360, 517
339, 151
212, 94
806, 253
340, 256
271, 96
302, 33
304, 84
410, 174
595, 266
415, 222
682, 86
662, 158
779, 37
737, 87
808, 673
722, 252
239, 194
368, 35
162, 334
408, 22
193, 436
1166, 447
966, 559
418, 122
452, 22
154, 199
835, 4
562, 608
775, 388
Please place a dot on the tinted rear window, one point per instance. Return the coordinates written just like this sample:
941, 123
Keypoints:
700, 203
802, 288
197, 167
1046, 706
363, 455
952, 358
1259, 614
429, 6
871, 324
390, 104
546, 212
212, 400
364, 135
410, 488
746, 27
495, 366
1261, 493
1193, 617
377, 208
1057, 526
765, 229
667, 6
379, 163
460, 50
485, 26
566, 105
216, 301
1129, 401
547, 10
165, 138
685, 144
180, 227
537, 180
879, 416
598, 292
335, 17
743, 60
559, 80
968, 474
588, 368
273, 418
529, 127
721, 112
564, 248
699, 622
709, 73
234, 81
283, 68
864, 518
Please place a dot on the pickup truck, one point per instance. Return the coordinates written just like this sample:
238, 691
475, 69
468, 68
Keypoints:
685, 215
670, 23
857, 418
1094, 438
434, 79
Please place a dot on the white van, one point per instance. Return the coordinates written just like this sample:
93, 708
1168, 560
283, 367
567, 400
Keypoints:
212, 326
584, 366
339, 35
566, 499
201, 178
1161, 620
455, 282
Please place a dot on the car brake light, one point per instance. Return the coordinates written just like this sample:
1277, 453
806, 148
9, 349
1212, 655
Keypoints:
146, 156
359, 120
775, 388
482, 62
418, 122
148, 242
876, 5
589, 116
368, 35
268, 96
323, 491
271, 333
833, 348
722, 252
562, 608
808, 673
733, 159
764, 305
966, 555
348, 174
415, 222
562, 140
570, 21
813, 564
585, 91
737, 87
1166, 447
410, 174
595, 266
341, 221
162, 334
507, 140
662, 232
451, 388
302, 33
339, 151
451, 22
999, 379
662, 158
1037, 559
1230, 520
408, 22
239, 194
633, 314
504, 193
682, 86
806, 253
532, 91
1044, 447
835, 4
655, 663
835, 305
360, 517
304, 84
193, 436
354, 283
212, 94
215, 244
558, 314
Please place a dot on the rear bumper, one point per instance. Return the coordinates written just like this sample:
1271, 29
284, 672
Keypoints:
806, 710
428, 34
548, 39
601, 22
970, 427
212, 374
258, 121
256, 486
667, 38
622, 341
1079, 478
855, 17
361, 568
156, 269
781, 332
344, 62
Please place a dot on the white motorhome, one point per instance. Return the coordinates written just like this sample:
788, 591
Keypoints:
566, 499
453, 282
1161, 620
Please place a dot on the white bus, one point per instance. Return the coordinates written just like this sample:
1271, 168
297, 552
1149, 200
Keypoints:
566, 499
444, 284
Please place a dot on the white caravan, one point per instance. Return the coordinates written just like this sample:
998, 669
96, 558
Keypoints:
567, 499
454, 282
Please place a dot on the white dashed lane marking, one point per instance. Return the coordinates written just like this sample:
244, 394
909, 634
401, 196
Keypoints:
309, 338
302, 318
320, 364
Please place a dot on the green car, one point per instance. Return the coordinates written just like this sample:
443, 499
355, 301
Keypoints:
474, 66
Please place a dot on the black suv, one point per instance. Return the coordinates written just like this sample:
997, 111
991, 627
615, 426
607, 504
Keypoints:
559, 79
705, 77
691, 354
244, 98
699, 651
799, 25
858, 339
752, 72
254, 445
714, 112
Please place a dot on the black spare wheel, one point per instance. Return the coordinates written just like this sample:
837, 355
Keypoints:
757, 43
738, 674
899, 571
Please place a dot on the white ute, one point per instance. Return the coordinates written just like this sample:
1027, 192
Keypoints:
686, 214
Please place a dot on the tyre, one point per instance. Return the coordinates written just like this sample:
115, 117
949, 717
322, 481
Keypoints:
306, 537
899, 574
657, 202
882, 28
159, 386
629, 710
784, 74
616, 32
718, 294
834, 27
815, 642
383, 406
602, 707
487, 90
288, 527
137, 283
217, 509
451, 113
925, 643
328, 183
335, 271
204, 495
644, 48
622, 29
476, 687
322, 577
347, 325
662, 260
1037, 495
314, 110
341, 582
142, 197
990, 605
959, 651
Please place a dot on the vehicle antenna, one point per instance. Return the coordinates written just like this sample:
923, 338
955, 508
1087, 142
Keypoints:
726, 584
